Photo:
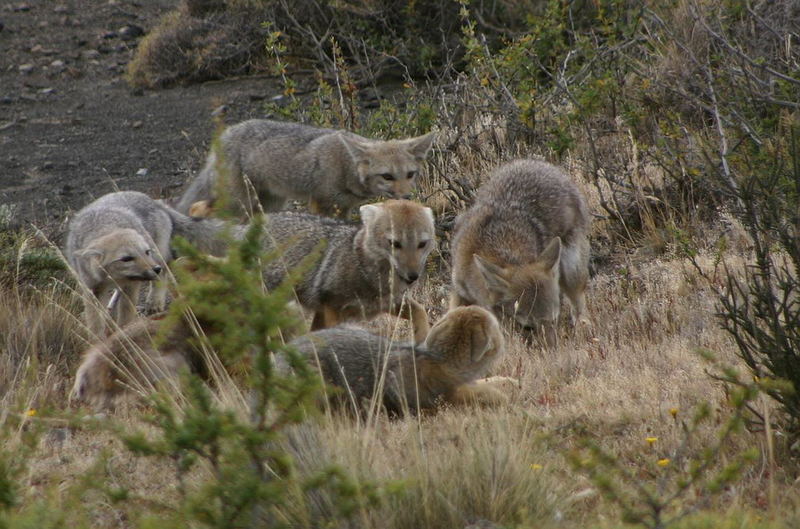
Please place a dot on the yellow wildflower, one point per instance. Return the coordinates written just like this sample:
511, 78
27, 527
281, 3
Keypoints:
31, 412
536, 466
663, 462
651, 440
673, 412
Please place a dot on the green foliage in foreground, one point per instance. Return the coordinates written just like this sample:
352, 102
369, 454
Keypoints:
247, 478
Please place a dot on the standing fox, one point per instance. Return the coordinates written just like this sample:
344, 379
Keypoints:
114, 244
363, 269
460, 349
329, 168
523, 241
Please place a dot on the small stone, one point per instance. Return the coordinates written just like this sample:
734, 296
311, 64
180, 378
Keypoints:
22, 8
141, 172
47, 91
61, 10
109, 35
37, 49
130, 32
26, 68
6, 100
90, 54
48, 165
137, 124
57, 65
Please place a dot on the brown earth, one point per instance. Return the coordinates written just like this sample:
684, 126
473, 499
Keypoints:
72, 129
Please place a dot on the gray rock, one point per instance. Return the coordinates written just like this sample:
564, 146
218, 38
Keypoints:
130, 32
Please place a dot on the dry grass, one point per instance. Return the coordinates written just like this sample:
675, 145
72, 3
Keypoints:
186, 49
613, 381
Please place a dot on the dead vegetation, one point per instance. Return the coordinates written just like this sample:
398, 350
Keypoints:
662, 139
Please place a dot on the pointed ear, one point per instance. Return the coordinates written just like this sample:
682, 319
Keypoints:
421, 145
89, 253
551, 255
369, 212
494, 277
88, 263
480, 342
357, 149
429, 214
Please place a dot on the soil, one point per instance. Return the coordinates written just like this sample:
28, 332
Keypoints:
72, 129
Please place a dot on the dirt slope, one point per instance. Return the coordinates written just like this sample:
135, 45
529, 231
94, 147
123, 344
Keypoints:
71, 128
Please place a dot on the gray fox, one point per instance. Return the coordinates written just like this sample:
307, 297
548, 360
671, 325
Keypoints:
114, 245
523, 242
460, 349
329, 168
364, 268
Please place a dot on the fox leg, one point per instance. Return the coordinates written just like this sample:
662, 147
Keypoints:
325, 318
157, 296
125, 310
327, 210
456, 300
492, 391
574, 278
95, 312
413, 311
201, 209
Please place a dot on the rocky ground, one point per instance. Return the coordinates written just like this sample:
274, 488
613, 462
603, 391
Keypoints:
72, 129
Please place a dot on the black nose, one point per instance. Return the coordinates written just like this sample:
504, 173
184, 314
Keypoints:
413, 276
157, 269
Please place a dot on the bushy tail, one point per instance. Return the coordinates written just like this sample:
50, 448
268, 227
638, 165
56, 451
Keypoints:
211, 236
201, 187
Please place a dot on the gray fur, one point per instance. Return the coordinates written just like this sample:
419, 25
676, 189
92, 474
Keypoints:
356, 273
331, 168
461, 348
529, 229
118, 226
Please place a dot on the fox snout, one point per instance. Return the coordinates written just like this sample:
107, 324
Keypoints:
150, 274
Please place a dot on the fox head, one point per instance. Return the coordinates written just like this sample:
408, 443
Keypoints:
388, 168
530, 292
123, 254
401, 232
466, 338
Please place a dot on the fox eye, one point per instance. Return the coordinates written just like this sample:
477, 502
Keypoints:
411, 174
395, 243
422, 244
127, 258
387, 176
148, 252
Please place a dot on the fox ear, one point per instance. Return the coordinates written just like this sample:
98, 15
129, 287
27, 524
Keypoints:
480, 343
421, 145
89, 253
551, 255
429, 214
357, 149
88, 263
494, 277
369, 212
